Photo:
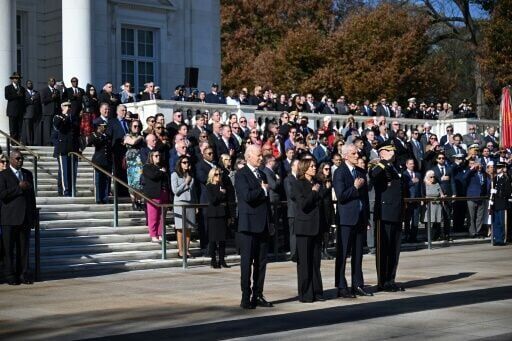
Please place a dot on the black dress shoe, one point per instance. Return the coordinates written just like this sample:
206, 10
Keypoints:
344, 293
389, 287
319, 298
397, 287
214, 264
223, 264
26, 280
260, 301
301, 300
13, 282
361, 292
246, 304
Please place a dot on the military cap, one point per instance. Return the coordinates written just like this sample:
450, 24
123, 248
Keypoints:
386, 145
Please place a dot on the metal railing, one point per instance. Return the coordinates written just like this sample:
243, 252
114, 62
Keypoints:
35, 156
428, 201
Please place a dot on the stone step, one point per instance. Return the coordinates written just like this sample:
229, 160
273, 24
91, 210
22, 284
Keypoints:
107, 257
48, 216
91, 222
50, 180
100, 248
92, 269
53, 187
82, 207
54, 232
92, 240
80, 193
68, 200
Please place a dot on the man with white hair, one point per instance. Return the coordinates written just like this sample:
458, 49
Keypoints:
426, 135
351, 191
149, 92
254, 228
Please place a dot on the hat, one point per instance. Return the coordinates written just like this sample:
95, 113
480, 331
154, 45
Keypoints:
412, 100
15, 75
215, 85
490, 163
458, 156
501, 165
65, 104
474, 146
386, 145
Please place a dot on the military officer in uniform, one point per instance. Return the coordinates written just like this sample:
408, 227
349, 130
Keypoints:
500, 193
389, 212
67, 133
102, 157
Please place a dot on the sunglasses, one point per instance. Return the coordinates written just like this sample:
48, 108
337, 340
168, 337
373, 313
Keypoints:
135, 126
243, 121
327, 169
156, 155
184, 162
433, 138
440, 158
216, 174
19, 158
159, 127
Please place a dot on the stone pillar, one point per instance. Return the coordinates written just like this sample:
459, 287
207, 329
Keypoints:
7, 53
76, 41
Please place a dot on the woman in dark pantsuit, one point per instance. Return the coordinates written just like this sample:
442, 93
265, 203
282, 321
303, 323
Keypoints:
307, 195
217, 217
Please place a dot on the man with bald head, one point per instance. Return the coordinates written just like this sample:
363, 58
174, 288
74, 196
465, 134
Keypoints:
253, 227
18, 207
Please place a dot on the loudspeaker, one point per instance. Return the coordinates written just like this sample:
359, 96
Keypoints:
191, 74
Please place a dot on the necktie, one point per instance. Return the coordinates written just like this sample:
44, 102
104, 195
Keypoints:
19, 175
442, 171
412, 175
354, 173
125, 127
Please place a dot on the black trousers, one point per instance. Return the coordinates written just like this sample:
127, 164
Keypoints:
16, 238
388, 251
293, 239
120, 172
212, 247
46, 130
309, 277
253, 254
350, 239
15, 126
27, 132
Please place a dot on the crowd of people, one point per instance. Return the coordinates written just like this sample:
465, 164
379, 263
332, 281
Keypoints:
243, 171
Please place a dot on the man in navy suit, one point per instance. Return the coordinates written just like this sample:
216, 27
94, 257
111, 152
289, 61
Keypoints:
353, 206
445, 178
412, 210
253, 226
117, 128
476, 185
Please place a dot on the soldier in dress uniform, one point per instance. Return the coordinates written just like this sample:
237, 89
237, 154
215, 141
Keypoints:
67, 133
102, 157
500, 193
389, 212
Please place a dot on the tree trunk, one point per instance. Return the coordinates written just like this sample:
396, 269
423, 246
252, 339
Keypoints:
479, 87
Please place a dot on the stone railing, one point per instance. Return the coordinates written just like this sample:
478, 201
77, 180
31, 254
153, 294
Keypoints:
152, 107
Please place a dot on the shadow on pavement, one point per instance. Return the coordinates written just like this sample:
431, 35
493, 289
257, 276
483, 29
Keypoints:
321, 317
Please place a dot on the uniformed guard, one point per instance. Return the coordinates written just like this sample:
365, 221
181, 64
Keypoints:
389, 212
500, 193
66, 141
102, 157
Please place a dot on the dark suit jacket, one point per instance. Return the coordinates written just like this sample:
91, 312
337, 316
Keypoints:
18, 206
475, 188
102, 150
381, 111
449, 150
116, 133
503, 189
76, 101
15, 100
113, 100
349, 197
275, 188
447, 186
202, 170
154, 180
33, 105
253, 204
307, 215
51, 105
145, 96
289, 183
414, 190
216, 201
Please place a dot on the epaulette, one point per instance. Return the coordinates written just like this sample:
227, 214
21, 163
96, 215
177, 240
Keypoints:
381, 165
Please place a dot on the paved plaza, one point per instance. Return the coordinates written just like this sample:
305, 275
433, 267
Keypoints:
453, 293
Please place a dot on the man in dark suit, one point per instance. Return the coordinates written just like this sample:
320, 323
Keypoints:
198, 128
413, 183
388, 210
32, 116
416, 149
50, 98
107, 95
215, 96
74, 95
103, 158
254, 228
351, 190
149, 93
15, 96
203, 167
445, 178
455, 148
117, 128
383, 108
289, 182
402, 153
18, 209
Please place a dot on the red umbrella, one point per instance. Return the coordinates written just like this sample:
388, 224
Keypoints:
506, 118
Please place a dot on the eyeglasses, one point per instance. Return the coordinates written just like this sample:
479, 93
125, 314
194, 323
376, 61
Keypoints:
327, 168
3, 161
285, 117
440, 158
159, 127
433, 138
156, 155
254, 132
19, 158
184, 162
178, 115
236, 128
243, 121
216, 174
135, 126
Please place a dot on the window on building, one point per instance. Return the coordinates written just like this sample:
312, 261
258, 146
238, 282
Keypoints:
138, 61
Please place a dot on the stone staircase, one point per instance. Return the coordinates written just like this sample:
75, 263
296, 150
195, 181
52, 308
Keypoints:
77, 235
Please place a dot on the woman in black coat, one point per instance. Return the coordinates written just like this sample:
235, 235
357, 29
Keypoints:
308, 232
324, 178
156, 186
217, 217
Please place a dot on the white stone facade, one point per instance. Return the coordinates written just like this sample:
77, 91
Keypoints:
83, 38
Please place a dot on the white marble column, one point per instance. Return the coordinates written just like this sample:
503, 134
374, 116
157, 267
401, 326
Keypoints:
76, 41
7, 53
